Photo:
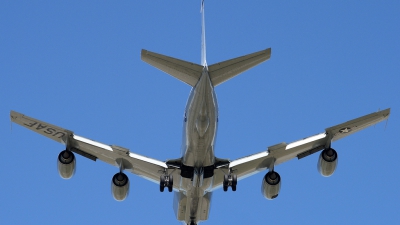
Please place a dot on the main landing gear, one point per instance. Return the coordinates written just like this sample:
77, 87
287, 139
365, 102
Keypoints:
166, 181
230, 180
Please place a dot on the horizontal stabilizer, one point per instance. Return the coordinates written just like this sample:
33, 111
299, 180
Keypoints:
223, 71
186, 72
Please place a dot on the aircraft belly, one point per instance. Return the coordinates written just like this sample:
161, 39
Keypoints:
200, 125
180, 205
192, 203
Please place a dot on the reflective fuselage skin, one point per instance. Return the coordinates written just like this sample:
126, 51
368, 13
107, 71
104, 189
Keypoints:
192, 202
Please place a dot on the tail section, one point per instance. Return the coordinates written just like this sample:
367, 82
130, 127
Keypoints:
223, 71
184, 71
190, 73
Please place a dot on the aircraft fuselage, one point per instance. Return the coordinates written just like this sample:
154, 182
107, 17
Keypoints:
192, 202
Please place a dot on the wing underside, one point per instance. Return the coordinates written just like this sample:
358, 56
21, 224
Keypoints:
148, 168
151, 169
283, 152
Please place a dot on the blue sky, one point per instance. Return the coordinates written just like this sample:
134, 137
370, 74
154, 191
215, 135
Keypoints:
77, 65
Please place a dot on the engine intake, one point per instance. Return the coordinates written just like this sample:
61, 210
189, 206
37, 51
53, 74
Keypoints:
327, 162
271, 185
66, 164
120, 186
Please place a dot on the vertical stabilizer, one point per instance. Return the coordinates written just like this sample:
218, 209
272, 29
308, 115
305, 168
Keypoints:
203, 36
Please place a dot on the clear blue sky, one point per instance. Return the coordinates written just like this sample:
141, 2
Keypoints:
77, 64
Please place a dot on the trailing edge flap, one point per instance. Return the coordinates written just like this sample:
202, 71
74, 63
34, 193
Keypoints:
186, 72
223, 71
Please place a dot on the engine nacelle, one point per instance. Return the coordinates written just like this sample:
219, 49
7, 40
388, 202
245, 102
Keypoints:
120, 186
271, 185
327, 162
66, 164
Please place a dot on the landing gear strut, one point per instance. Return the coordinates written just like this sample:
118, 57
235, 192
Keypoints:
166, 181
230, 181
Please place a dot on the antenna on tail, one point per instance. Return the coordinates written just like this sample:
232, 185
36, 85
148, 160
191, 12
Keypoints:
203, 36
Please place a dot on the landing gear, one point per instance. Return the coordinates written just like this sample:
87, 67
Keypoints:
230, 181
166, 181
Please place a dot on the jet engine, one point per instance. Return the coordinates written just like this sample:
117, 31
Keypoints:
327, 162
271, 185
66, 164
120, 186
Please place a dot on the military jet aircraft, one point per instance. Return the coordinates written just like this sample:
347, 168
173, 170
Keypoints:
198, 172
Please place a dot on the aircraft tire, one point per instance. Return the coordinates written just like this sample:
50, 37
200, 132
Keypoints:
233, 187
171, 183
162, 183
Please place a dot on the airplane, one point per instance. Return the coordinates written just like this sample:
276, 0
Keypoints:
198, 172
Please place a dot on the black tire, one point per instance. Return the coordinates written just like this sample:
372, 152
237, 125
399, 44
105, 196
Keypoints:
226, 180
162, 180
170, 183
233, 187
162, 183
234, 180
225, 188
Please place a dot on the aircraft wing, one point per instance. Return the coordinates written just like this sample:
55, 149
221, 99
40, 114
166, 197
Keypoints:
283, 152
148, 168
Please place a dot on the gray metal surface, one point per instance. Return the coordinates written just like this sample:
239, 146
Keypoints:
186, 72
200, 126
283, 152
223, 71
137, 164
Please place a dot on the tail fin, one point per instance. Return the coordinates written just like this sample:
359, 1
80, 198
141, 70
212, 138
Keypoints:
203, 36
190, 73
223, 71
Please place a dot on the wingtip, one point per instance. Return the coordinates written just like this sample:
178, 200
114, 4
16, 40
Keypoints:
13, 115
385, 112
268, 51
